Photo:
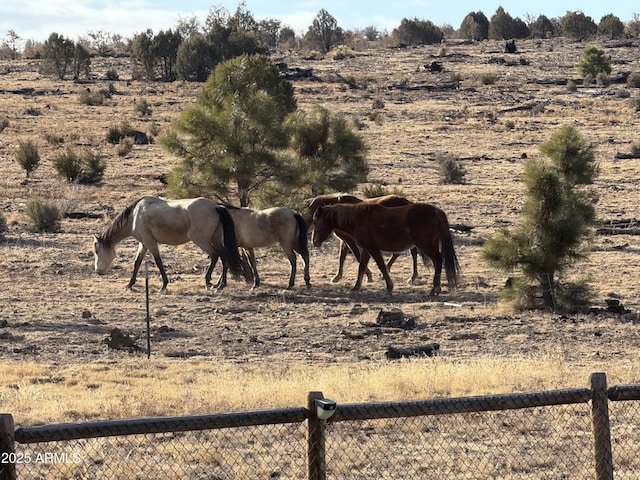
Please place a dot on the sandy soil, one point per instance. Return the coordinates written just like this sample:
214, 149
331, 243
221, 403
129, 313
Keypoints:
53, 308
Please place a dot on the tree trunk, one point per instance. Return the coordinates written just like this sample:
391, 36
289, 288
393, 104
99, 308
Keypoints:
547, 285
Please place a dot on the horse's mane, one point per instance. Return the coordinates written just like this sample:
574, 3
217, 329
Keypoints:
330, 199
348, 215
116, 225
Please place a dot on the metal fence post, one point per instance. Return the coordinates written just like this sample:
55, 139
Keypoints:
7, 447
600, 426
315, 440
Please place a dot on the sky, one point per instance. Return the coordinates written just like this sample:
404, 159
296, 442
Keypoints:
37, 19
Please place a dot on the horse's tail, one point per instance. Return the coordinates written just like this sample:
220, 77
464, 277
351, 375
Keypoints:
303, 241
451, 265
230, 254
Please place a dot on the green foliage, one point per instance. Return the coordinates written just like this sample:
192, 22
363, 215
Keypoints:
143, 107
633, 80
451, 172
555, 223
417, 32
85, 167
58, 55
92, 98
28, 156
378, 190
475, 26
334, 155
578, 26
244, 139
43, 217
503, 26
542, 27
116, 133
232, 141
610, 26
324, 32
592, 62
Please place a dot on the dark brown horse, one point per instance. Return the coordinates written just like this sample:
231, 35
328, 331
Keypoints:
393, 229
347, 243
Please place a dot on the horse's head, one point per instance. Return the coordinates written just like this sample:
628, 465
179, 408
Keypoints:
103, 253
322, 226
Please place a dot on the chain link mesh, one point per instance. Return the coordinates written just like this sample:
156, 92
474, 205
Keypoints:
550, 441
266, 451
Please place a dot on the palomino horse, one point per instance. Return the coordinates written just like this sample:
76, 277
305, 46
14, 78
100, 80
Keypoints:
346, 242
393, 229
263, 228
153, 220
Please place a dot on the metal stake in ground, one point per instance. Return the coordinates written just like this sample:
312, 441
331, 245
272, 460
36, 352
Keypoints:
146, 291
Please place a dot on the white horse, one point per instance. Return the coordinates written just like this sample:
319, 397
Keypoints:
153, 220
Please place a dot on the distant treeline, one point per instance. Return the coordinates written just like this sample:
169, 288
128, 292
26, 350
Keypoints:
195, 46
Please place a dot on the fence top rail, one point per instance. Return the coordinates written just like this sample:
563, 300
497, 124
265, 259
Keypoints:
624, 392
460, 405
136, 426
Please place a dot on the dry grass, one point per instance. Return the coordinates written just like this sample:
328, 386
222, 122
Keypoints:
259, 349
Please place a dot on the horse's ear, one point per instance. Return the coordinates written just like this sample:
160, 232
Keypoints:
96, 239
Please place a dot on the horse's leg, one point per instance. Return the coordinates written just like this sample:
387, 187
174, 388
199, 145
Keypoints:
251, 255
362, 268
341, 258
436, 259
355, 249
414, 257
142, 251
291, 255
153, 248
377, 256
207, 276
304, 253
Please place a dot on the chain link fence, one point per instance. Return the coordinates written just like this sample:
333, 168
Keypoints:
562, 434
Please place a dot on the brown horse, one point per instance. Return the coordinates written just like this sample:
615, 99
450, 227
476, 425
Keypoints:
347, 243
154, 220
393, 229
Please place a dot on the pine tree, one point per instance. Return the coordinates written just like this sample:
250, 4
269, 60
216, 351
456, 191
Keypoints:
555, 224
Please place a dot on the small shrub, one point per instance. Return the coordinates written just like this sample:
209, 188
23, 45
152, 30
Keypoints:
510, 124
125, 147
635, 148
487, 78
114, 135
27, 156
112, 74
143, 108
603, 79
93, 166
86, 168
93, 99
451, 172
43, 217
4, 123
592, 62
33, 111
68, 165
571, 86
634, 102
633, 80
379, 190
54, 138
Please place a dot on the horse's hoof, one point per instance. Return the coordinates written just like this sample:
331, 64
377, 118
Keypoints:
336, 279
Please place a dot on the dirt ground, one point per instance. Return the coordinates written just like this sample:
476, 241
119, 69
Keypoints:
54, 308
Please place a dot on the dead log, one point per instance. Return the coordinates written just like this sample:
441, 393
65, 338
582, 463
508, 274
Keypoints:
428, 350
626, 156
